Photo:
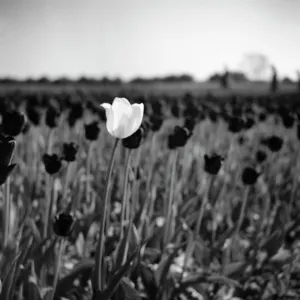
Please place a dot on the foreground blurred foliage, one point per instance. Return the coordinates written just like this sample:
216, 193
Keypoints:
212, 193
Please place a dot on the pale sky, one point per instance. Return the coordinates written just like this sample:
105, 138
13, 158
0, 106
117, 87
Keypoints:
127, 38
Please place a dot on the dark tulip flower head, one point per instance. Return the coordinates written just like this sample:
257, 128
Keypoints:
274, 143
33, 115
134, 140
7, 148
235, 124
52, 117
179, 137
63, 224
70, 151
249, 122
92, 131
213, 163
261, 156
13, 123
249, 176
190, 123
288, 120
156, 122
52, 163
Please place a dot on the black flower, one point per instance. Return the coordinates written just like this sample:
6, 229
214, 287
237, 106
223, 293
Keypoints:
134, 140
63, 224
213, 163
249, 176
52, 163
179, 137
13, 123
261, 156
70, 151
92, 131
274, 143
52, 117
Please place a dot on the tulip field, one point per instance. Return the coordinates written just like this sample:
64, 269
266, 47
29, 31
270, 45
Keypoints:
139, 196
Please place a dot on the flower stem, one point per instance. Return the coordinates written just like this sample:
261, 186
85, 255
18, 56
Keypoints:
97, 278
170, 200
124, 199
48, 204
58, 263
88, 171
202, 207
6, 211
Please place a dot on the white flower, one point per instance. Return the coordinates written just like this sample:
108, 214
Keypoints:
123, 119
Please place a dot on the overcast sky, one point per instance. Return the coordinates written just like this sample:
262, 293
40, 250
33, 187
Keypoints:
144, 37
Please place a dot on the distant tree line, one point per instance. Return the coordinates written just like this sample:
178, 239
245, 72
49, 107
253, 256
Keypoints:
104, 80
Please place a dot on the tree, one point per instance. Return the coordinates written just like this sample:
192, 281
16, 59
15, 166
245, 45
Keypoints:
256, 65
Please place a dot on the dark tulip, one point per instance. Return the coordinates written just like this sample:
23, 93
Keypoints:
92, 131
189, 123
52, 117
249, 176
135, 140
175, 110
274, 143
262, 117
5, 172
156, 122
13, 123
213, 163
63, 224
179, 137
249, 122
70, 151
7, 148
288, 120
235, 124
33, 115
52, 163
261, 156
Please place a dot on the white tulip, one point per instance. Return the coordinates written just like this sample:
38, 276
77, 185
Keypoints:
123, 119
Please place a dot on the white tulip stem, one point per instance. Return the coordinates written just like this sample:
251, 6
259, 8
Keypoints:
124, 204
97, 280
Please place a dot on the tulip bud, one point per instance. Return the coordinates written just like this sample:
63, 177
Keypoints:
274, 143
52, 116
52, 163
190, 123
134, 141
213, 163
249, 176
179, 137
33, 115
288, 120
92, 131
13, 123
261, 156
248, 123
63, 224
156, 122
235, 124
70, 151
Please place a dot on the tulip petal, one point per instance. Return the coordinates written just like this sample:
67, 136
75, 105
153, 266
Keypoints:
109, 117
136, 118
122, 113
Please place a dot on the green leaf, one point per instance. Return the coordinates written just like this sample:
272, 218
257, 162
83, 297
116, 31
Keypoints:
130, 292
222, 280
148, 280
273, 243
235, 269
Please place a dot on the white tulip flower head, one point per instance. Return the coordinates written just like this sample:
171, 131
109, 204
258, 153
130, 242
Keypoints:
123, 119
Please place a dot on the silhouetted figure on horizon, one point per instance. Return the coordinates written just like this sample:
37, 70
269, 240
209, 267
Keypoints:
274, 81
224, 79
